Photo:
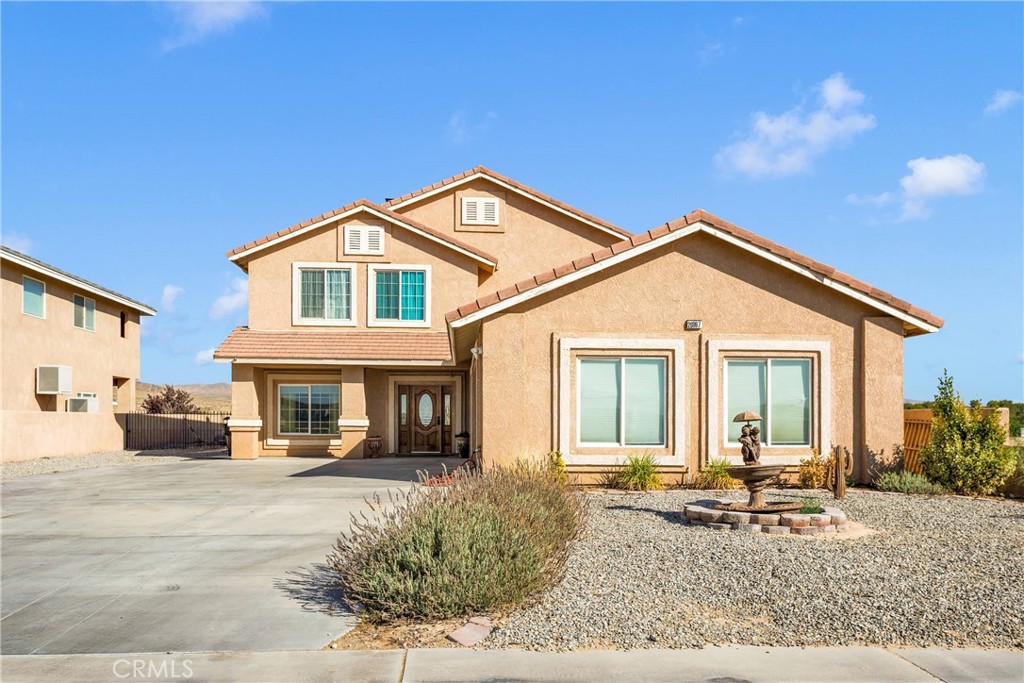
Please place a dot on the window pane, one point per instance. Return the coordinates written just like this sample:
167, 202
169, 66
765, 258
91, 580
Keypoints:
387, 295
413, 294
645, 401
312, 304
746, 387
599, 400
790, 421
90, 314
294, 409
323, 408
339, 294
79, 311
32, 296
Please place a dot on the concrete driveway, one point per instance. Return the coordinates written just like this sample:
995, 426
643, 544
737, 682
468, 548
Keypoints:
187, 556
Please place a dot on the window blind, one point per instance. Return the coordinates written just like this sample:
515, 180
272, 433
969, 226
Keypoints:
746, 387
600, 385
645, 401
790, 402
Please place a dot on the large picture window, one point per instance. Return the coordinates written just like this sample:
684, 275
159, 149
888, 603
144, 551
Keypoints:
777, 389
400, 296
323, 294
308, 408
622, 401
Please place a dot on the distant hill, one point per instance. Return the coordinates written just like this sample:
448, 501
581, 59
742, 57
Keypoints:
212, 397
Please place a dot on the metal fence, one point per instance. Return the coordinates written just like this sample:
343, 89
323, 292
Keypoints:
144, 431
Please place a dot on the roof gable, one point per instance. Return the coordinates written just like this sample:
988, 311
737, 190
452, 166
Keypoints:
478, 172
696, 221
238, 254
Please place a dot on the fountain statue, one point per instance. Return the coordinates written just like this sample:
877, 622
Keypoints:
753, 474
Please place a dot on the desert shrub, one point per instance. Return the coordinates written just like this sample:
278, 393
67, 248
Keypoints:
556, 466
170, 401
907, 482
488, 540
809, 506
965, 453
814, 471
715, 476
639, 473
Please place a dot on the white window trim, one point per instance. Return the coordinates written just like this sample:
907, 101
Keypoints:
24, 312
309, 385
480, 211
823, 349
622, 414
767, 360
297, 319
363, 251
677, 420
84, 308
371, 295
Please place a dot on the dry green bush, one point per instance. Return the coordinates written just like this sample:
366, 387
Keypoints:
487, 541
715, 477
814, 471
639, 473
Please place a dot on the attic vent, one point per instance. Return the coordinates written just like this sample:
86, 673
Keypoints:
479, 211
363, 239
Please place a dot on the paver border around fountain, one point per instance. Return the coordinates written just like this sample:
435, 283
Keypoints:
706, 513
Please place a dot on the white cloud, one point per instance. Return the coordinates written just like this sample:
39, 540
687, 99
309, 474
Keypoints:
709, 53
168, 297
234, 298
461, 129
196, 20
787, 144
1001, 101
205, 357
18, 242
870, 199
955, 174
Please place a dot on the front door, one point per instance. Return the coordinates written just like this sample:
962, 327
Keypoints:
424, 415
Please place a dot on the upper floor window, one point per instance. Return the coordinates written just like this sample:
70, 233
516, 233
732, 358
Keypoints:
479, 211
323, 294
85, 313
399, 296
364, 239
622, 401
777, 389
33, 297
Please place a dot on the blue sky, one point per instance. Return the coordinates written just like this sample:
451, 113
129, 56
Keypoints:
143, 140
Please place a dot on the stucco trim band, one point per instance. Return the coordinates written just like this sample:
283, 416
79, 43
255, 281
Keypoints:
358, 422
567, 345
245, 424
716, 347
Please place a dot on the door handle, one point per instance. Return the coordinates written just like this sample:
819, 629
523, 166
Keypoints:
438, 420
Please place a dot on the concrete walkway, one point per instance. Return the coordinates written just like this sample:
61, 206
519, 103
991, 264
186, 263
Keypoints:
720, 664
201, 555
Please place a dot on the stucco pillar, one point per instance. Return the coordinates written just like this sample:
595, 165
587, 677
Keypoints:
882, 392
353, 422
245, 423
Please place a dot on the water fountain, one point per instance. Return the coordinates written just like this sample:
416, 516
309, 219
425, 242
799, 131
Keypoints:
755, 476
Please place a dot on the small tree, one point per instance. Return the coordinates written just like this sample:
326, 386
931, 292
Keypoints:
965, 453
170, 400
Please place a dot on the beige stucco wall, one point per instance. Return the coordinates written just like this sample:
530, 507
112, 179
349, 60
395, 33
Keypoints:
530, 239
96, 358
736, 295
453, 278
881, 388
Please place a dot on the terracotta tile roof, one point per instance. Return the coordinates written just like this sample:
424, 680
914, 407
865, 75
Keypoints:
365, 203
514, 183
334, 345
678, 224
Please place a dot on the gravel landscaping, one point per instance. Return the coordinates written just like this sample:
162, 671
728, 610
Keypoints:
939, 571
65, 463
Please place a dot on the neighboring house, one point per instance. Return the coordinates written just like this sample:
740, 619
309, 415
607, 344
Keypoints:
70, 360
459, 307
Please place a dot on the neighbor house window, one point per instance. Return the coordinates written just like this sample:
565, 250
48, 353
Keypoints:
85, 313
308, 408
323, 294
777, 389
400, 295
33, 297
622, 401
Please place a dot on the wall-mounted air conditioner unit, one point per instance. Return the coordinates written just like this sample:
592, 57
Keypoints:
83, 405
53, 379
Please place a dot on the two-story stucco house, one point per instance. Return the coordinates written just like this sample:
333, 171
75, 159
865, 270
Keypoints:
480, 304
70, 351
